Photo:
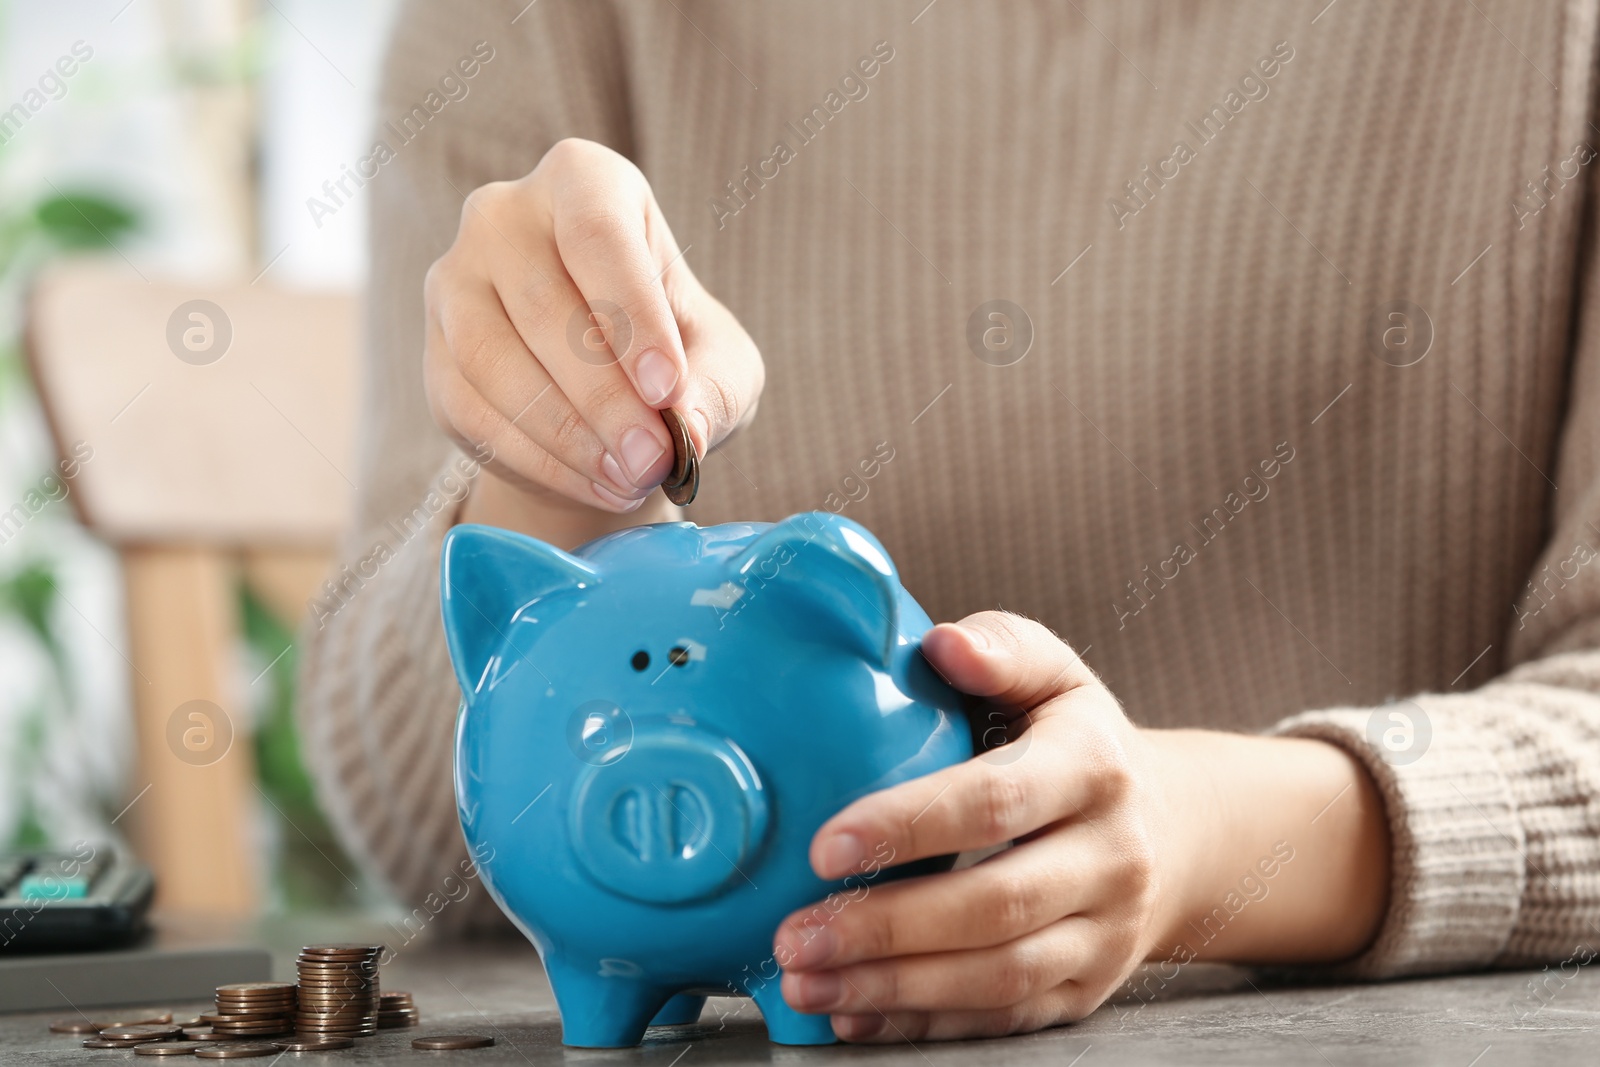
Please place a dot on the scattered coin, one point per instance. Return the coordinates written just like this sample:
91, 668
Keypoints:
100, 1042
168, 1048
144, 1018
441, 1042
153, 1032
684, 480
314, 1044
239, 1051
74, 1026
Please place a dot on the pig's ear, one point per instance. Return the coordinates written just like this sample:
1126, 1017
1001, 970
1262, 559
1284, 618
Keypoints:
832, 565
487, 575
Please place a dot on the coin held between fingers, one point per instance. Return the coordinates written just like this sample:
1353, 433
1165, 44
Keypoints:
683, 482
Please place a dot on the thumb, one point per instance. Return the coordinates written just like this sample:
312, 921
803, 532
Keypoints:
725, 371
1005, 657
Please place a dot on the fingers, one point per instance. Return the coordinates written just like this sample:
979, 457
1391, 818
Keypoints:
1062, 1004
993, 977
473, 422
475, 340
997, 901
726, 374
573, 336
600, 223
1075, 764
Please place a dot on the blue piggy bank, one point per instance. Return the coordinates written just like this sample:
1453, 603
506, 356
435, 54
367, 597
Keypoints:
654, 727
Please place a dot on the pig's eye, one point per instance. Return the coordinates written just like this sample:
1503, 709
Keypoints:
678, 656
641, 660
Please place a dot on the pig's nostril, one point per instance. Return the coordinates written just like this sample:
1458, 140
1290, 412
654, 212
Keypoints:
641, 659
679, 656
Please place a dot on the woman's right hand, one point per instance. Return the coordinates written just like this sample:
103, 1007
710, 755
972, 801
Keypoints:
562, 320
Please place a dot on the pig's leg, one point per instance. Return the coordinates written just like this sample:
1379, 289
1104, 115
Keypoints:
602, 1011
683, 1008
785, 1026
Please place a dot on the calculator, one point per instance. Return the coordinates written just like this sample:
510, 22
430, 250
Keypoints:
88, 898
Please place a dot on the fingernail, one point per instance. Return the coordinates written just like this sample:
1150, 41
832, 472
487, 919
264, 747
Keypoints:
640, 454
978, 638
612, 499
840, 855
613, 472
810, 948
819, 992
657, 374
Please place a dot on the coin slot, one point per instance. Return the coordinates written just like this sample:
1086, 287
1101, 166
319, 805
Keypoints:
641, 660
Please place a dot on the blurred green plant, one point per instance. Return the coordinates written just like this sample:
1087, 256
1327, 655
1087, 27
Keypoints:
30, 237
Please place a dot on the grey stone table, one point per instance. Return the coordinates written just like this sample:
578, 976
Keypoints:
1206, 1015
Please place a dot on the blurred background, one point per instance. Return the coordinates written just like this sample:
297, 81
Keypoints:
154, 153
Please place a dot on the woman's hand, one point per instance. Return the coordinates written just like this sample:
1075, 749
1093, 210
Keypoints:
1127, 842
562, 320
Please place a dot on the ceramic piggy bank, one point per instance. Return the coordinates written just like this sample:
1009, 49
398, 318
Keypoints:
654, 727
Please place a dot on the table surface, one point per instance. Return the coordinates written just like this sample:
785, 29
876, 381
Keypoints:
1205, 1015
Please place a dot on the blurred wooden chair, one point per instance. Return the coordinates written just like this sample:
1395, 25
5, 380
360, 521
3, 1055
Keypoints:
220, 426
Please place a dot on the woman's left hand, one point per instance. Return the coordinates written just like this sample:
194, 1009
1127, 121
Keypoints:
1038, 934
1130, 845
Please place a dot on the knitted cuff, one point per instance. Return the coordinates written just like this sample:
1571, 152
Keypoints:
1458, 866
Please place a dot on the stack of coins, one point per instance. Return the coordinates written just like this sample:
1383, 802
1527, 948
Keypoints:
396, 1010
253, 1010
338, 990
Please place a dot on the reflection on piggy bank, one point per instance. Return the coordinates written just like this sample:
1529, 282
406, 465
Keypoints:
654, 727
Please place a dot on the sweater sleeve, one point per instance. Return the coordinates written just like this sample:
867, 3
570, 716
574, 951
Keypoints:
1493, 795
471, 94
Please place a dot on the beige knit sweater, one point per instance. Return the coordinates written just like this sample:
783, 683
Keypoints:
1200, 473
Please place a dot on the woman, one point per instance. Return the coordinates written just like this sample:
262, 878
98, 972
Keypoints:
1236, 352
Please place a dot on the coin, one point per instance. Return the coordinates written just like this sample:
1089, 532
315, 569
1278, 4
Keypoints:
340, 951
683, 482
145, 1018
314, 1044
239, 1051
144, 1033
168, 1048
74, 1026
452, 1041
100, 1042
249, 988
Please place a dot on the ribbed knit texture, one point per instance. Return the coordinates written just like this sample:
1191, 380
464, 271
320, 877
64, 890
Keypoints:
1411, 540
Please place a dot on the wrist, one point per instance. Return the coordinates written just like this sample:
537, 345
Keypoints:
495, 501
1282, 854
